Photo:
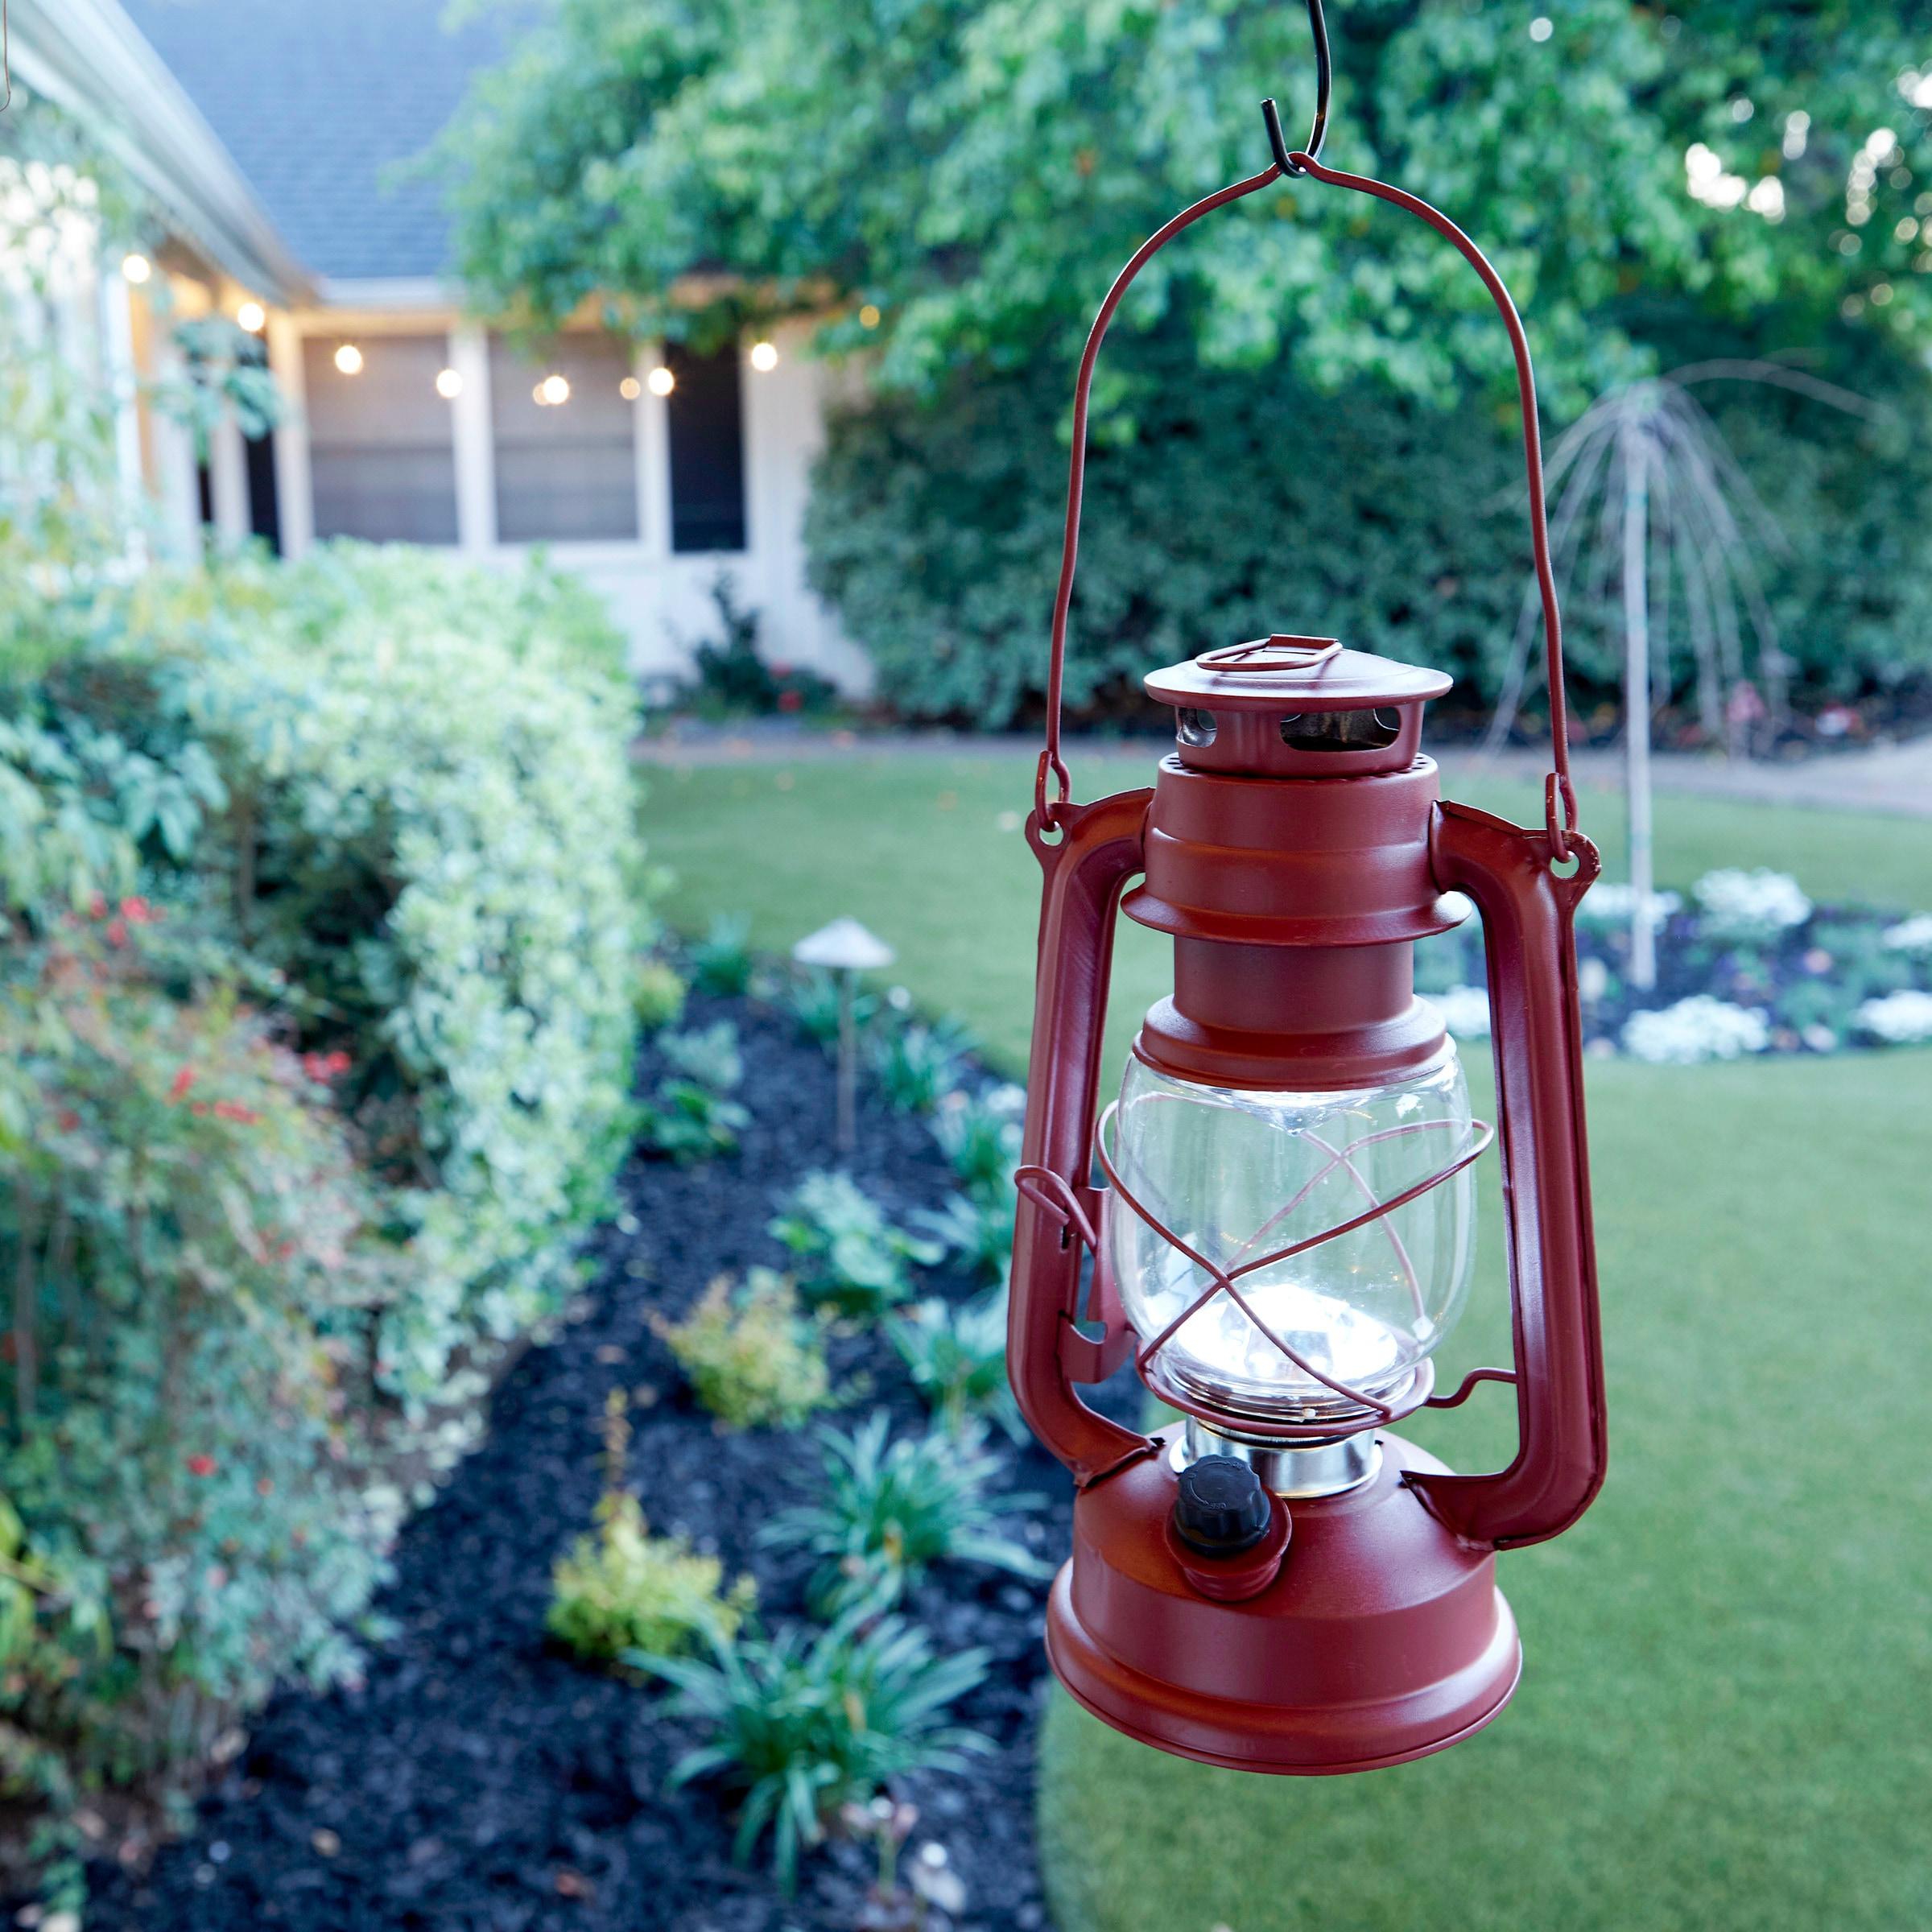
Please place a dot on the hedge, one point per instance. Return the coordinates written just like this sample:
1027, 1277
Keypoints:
323, 894
1246, 502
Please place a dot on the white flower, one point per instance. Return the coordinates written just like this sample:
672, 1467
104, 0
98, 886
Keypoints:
1617, 904
1699, 1028
1901, 1019
1913, 934
1465, 1011
1750, 906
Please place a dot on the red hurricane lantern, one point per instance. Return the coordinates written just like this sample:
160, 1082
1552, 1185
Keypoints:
1279, 1582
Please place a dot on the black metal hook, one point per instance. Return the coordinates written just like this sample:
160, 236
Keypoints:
1324, 74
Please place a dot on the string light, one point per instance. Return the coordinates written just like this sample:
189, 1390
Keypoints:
136, 268
663, 382
251, 316
630, 389
349, 359
449, 384
764, 357
869, 316
552, 392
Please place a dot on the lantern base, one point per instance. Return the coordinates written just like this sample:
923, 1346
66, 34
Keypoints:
1384, 1637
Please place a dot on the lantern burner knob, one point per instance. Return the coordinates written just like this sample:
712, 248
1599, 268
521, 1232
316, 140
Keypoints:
1222, 1508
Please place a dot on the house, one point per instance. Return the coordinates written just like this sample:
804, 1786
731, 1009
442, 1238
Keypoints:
274, 139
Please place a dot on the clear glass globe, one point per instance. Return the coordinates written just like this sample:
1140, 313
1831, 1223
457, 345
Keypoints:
1238, 1175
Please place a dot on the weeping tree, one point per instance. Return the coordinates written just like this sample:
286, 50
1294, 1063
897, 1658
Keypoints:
1655, 524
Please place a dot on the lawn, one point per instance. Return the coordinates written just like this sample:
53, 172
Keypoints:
1721, 1724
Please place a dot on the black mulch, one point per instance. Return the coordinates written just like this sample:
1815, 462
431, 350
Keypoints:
479, 1779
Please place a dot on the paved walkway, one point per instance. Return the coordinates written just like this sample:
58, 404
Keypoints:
1891, 779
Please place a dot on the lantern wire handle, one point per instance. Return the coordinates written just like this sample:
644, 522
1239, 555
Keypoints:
1559, 794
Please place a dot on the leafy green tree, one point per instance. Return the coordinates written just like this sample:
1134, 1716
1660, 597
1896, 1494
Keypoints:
964, 176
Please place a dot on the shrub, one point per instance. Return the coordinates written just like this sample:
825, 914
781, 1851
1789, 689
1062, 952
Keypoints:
620, 1589
721, 961
918, 1066
659, 995
957, 1356
197, 1282
686, 1122
814, 1000
279, 1172
710, 1057
803, 1725
978, 1229
1698, 1028
1749, 908
733, 676
894, 1508
852, 1259
754, 1360
429, 833
688, 1118
980, 1135
931, 528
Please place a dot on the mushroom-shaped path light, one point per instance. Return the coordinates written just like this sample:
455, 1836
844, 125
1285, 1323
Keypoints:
846, 948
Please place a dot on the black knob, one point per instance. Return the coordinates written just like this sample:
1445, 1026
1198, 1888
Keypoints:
1222, 1508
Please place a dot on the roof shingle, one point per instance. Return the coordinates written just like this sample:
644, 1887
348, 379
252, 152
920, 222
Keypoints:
319, 100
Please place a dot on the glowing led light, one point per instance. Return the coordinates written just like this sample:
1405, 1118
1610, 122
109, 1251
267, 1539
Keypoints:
1767, 198
136, 268
662, 381
349, 359
553, 391
869, 316
449, 384
764, 357
1542, 27
630, 389
252, 317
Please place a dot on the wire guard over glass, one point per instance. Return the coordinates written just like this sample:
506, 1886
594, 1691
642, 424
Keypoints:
1223, 1281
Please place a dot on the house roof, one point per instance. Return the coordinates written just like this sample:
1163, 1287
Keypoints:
321, 103
86, 57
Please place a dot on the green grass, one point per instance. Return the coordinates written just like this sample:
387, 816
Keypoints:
1721, 1722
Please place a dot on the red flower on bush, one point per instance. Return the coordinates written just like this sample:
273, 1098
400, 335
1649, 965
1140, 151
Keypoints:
184, 1079
791, 700
117, 932
67, 1120
200, 1463
234, 1110
323, 1068
138, 912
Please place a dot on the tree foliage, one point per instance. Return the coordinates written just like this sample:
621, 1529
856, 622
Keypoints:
967, 175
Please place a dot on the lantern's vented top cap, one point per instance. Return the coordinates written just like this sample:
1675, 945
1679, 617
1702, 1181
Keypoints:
1298, 674
1222, 1508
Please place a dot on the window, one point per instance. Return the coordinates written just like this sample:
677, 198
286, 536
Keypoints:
706, 451
381, 448
566, 437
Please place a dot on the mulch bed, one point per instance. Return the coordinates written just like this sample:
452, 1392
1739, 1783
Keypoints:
479, 1778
